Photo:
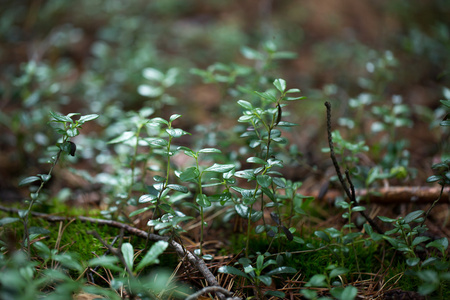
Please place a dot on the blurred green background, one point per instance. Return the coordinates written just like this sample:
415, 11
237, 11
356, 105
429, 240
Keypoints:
111, 56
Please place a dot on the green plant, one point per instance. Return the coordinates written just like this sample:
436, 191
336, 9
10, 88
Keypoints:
195, 175
121, 67
165, 217
69, 130
262, 133
255, 274
325, 280
433, 271
143, 286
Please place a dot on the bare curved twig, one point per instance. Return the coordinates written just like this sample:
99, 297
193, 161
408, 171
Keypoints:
179, 249
350, 194
212, 289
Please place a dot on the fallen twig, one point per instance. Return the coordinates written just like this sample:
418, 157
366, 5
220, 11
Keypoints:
392, 194
212, 289
179, 249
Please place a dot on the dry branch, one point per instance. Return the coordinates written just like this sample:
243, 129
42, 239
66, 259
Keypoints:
393, 194
179, 249
349, 191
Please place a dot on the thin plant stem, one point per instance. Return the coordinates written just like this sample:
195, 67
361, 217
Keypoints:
248, 230
166, 182
26, 233
133, 162
200, 194
432, 205
339, 174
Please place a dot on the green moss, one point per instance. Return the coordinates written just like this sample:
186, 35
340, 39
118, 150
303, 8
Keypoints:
73, 237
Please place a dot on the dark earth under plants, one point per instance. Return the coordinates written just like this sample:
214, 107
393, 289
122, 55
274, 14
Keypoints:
224, 149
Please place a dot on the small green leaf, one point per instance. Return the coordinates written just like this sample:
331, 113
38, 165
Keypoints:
189, 174
153, 74
298, 240
317, 280
269, 95
233, 271
41, 247
260, 262
264, 180
157, 142
254, 143
280, 182
280, 84
419, 239
8, 220
158, 178
209, 150
147, 198
174, 117
441, 244
358, 208
256, 160
249, 269
294, 98
45, 177
245, 104
68, 261
23, 212
158, 121
246, 193
309, 294
139, 211
28, 180
128, 253
151, 257
220, 168
290, 91
242, 210
87, 118
178, 188
203, 201
443, 165
125, 136
322, 235
412, 261
151, 91
245, 119
284, 55
105, 261
349, 293
246, 174
286, 124
386, 219
338, 271
60, 118
434, 178
187, 151
250, 53
282, 270
266, 280
413, 215
256, 216
72, 132
445, 123
176, 132
260, 229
